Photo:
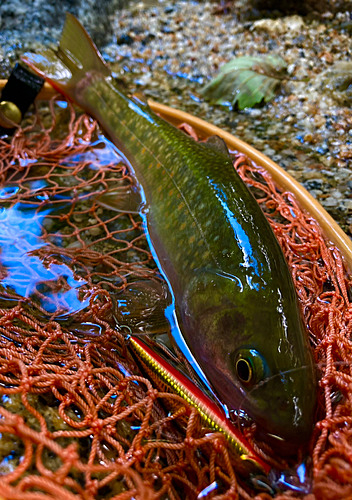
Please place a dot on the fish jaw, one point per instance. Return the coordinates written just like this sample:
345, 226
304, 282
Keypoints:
219, 325
298, 399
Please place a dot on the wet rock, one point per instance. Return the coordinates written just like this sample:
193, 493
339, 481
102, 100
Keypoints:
323, 149
313, 184
292, 23
124, 40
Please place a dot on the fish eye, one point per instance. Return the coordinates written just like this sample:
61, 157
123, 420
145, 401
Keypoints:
244, 370
249, 366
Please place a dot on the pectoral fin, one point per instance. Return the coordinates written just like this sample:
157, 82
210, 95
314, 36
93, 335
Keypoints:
217, 144
127, 199
140, 98
141, 307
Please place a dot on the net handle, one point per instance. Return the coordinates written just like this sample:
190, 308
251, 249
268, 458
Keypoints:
204, 129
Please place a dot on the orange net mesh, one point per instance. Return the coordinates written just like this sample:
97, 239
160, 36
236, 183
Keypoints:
77, 418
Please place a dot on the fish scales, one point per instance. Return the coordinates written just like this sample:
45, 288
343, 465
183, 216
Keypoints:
194, 197
234, 297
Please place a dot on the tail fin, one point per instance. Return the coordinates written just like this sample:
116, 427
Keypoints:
75, 56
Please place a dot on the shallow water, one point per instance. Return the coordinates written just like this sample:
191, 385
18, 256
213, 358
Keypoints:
46, 216
53, 287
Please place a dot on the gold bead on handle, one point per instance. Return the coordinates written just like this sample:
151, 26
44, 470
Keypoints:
10, 115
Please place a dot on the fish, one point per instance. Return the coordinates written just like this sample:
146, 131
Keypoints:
234, 303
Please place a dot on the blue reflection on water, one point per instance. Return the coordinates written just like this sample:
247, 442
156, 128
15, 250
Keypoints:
54, 285
204, 493
8, 191
301, 472
61, 104
297, 479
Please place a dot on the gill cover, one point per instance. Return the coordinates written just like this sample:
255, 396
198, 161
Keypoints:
210, 311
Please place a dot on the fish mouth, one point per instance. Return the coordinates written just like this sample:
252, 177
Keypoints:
286, 444
284, 422
287, 434
282, 445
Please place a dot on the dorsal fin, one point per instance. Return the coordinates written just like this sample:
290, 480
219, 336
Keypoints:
139, 98
217, 144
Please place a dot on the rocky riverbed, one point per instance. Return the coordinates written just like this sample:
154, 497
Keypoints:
169, 50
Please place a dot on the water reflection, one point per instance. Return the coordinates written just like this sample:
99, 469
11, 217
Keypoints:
298, 479
8, 192
47, 215
205, 493
53, 286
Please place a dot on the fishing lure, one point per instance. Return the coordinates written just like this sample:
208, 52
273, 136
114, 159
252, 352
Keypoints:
247, 460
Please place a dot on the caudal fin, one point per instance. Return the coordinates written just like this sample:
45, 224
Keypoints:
75, 56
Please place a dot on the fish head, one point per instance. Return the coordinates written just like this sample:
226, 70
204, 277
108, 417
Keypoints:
253, 348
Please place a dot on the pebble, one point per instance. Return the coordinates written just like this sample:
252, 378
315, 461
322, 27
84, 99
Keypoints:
316, 193
48, 223
95, 231
74, 244
336, 194
77, 217
291, 23
329, 202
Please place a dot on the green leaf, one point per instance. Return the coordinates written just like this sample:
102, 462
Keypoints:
246, 81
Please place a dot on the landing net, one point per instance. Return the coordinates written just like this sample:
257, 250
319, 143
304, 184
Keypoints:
78, 419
